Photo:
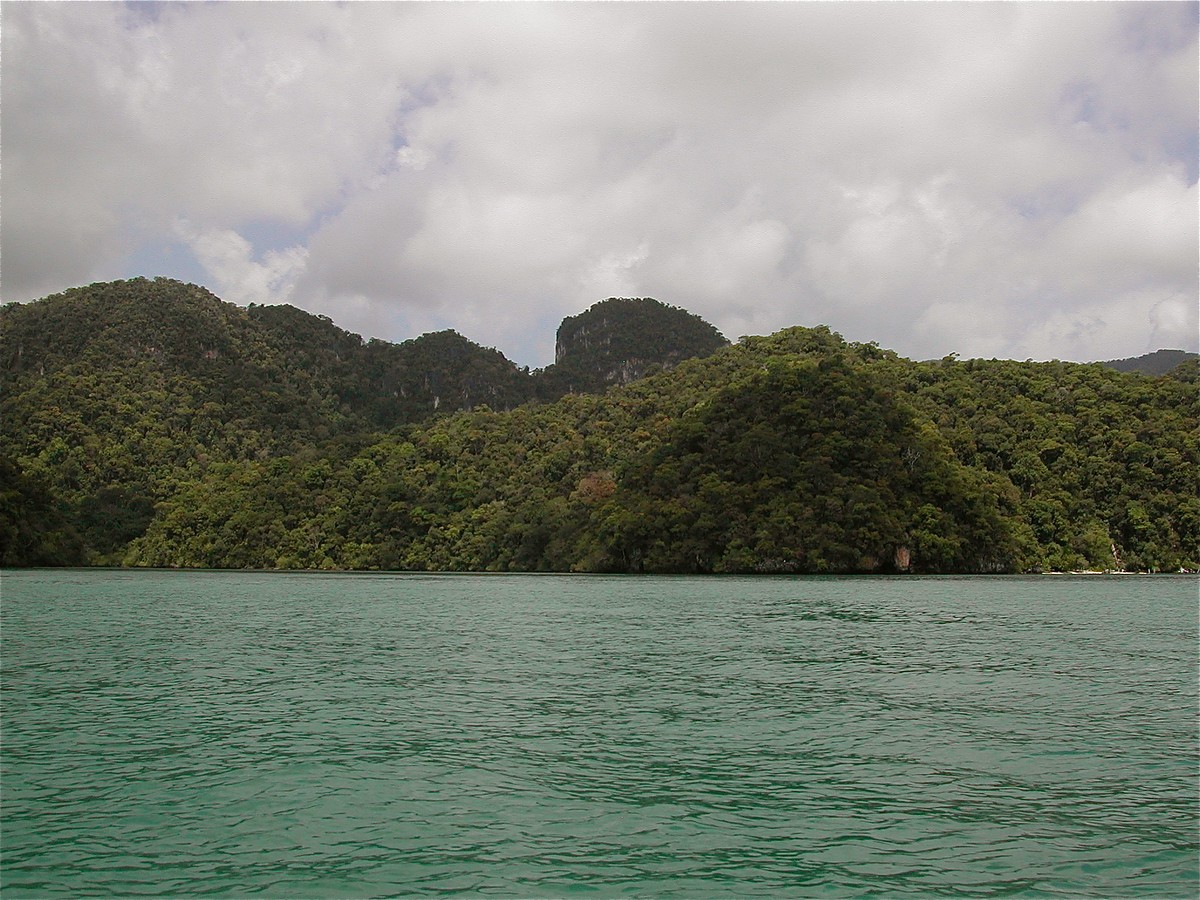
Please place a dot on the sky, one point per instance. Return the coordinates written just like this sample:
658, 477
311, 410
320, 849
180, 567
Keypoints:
1009, 179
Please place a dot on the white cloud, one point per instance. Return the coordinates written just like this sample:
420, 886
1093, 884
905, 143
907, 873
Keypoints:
1137, 228
614, 274
1007, 179
1129, 324
239, 278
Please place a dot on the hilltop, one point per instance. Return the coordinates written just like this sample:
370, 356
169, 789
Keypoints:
183, 330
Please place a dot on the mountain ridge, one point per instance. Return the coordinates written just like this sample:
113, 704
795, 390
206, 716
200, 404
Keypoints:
573, 349
387, 383
1159, 362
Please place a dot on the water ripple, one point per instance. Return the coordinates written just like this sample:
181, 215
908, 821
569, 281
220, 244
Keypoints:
338, 736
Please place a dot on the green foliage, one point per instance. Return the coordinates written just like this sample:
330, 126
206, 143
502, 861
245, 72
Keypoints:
807, 466
1086, 447
147, 423
33, 528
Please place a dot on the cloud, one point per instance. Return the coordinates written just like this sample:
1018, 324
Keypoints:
1004, 179
1139, 227
116, 126
239, 278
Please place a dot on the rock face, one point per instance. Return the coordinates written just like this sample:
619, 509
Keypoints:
621, 340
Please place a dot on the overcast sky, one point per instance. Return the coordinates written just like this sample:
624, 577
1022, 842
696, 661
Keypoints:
993, 179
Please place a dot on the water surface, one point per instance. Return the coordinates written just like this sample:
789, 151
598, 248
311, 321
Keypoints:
306, 735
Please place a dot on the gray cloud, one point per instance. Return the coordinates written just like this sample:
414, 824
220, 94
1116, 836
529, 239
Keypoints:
1009, 179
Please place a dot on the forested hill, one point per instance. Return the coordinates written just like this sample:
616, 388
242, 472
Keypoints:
182, 330
622, 340
114, 393
148, 423
1160, 362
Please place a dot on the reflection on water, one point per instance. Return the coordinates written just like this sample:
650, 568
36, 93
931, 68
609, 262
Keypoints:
353, 736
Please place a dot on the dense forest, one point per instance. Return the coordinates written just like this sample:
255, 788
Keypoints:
147, 423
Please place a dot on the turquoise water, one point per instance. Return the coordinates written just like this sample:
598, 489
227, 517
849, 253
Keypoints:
306, 735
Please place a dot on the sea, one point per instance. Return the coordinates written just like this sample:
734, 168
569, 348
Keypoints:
235, 734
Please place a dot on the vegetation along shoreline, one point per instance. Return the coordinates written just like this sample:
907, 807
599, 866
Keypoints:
148, 423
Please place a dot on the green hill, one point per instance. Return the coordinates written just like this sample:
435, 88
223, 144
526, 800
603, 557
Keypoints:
115, 394
1160, 362
148, 423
